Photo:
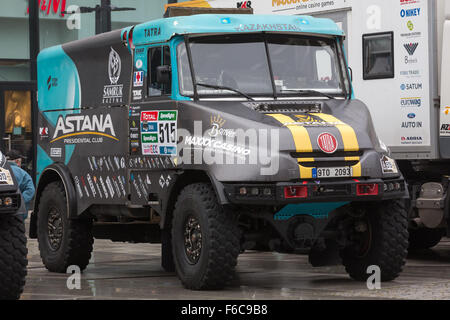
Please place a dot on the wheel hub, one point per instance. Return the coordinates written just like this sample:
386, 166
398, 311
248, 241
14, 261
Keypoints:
192, 239
55, 228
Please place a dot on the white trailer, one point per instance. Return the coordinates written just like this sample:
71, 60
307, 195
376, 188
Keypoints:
399, 53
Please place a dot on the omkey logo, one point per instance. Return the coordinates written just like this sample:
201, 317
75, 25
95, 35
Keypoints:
76, 125
410, 12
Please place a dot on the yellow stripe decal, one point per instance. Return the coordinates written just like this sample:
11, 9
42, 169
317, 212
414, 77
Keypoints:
347, 132
357, 170
306, 173
306, 159
301, 139
352, 158
299, 133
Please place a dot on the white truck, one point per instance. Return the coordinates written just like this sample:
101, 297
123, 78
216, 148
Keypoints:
399, 53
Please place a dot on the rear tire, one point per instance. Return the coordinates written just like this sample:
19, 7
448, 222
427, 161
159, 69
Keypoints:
205, 239
424, 238
384, 244
62, 241
13, 257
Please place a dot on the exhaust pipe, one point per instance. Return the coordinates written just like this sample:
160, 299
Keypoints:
416, 223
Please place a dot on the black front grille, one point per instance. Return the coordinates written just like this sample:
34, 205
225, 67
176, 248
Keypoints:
328, 164
318, 155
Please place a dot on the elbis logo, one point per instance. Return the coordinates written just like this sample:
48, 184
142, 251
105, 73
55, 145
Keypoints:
77, 125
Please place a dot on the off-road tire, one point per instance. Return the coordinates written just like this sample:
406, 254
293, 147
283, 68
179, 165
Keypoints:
216, 263
389, 242
424, 238
13, 257
77, 239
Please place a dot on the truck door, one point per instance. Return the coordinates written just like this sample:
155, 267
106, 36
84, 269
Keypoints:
153, 127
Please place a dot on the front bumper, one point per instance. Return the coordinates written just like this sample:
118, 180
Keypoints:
317, 191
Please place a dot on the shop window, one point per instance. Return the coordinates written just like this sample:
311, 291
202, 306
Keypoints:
158, 56
378, 56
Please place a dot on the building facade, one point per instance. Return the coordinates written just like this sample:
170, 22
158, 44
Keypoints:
59, 21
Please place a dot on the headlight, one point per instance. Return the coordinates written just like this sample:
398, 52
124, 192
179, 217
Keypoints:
7, 202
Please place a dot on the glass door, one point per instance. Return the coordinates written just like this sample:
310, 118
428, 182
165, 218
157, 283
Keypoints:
17, 124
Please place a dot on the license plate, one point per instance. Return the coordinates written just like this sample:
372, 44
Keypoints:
341, 172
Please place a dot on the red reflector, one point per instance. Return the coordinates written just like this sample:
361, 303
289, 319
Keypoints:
296, 192
367, 189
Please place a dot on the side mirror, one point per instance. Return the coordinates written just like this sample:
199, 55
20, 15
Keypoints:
350, 72
163, 74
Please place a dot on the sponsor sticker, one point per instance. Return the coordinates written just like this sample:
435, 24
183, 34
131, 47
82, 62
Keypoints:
138, 79
388, 165
5, 177
55, 152
159, 132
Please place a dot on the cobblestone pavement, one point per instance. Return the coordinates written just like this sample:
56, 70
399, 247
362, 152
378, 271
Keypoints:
132, 271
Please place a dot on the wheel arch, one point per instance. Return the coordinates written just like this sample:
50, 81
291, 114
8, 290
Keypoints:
186, 178
54, 172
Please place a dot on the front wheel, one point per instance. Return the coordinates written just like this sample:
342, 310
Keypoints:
13, 257
205, 239
378, 237
62, 241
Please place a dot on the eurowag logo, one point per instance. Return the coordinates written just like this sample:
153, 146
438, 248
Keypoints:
75, 125
411, 102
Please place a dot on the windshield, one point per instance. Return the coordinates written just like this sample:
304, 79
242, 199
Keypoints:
258, 64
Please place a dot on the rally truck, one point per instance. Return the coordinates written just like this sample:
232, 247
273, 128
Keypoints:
13, 241
213, 134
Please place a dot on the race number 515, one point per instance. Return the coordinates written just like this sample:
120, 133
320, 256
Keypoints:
167, 131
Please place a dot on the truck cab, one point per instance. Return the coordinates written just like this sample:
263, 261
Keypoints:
214, 134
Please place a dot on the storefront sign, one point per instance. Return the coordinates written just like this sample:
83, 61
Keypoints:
46, 6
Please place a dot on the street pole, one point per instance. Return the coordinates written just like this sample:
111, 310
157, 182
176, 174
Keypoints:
33, 27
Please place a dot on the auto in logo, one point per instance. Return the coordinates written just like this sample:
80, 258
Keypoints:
115, 66
411, 47
327, 142
138, 79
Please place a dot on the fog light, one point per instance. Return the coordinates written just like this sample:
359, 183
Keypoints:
267, 192
385, 187
367, 189
255, 191
391, 186
296, 192
397, 186
7, 201
1, 201
243, 191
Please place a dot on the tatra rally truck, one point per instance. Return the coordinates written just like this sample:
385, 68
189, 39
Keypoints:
213, 134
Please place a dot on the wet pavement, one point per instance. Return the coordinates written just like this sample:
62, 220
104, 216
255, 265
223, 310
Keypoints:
133, 271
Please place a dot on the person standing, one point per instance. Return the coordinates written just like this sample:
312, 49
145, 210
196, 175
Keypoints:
24, 180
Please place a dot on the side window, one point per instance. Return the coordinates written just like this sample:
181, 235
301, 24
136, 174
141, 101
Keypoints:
157, 56
155, 60
378, 56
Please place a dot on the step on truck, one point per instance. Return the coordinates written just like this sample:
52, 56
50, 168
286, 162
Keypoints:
213, 134
13, 241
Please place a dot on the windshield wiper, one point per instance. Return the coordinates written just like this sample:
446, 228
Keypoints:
309, 92
225, 88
